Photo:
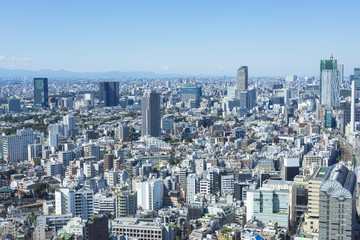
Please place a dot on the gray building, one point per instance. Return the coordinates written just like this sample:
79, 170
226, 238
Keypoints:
248, 99
126, 204
337, 204
151, 116
242, 79
41, 93
109, 93
14, 105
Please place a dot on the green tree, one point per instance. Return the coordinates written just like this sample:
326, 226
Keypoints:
41, 189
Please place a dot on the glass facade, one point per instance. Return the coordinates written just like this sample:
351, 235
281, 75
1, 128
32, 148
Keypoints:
41, 92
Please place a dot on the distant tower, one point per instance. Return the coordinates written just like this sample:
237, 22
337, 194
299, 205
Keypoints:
242, 79
340, 68
41, 93
356, 79
151, 116
329, 83
109, 93
352, 122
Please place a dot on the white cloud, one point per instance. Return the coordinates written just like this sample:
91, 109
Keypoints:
2, 58
13, 58
164, 67
26, 59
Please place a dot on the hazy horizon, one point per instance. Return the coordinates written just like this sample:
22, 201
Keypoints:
191, 38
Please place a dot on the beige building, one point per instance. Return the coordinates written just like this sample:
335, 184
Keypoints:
311, 223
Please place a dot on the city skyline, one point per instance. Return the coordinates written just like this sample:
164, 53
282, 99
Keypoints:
274, 39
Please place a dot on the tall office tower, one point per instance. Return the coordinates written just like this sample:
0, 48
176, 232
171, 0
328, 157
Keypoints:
124, 132
329, 83
356, 79
126, 204
311, 225
69, 121
337, 204
242, 80
192, 187
79, 203
290, 168
191, 92
109, 93
15, 147
150, 194
89, 97
352, 122
108, 161
41, 93
340, 67
151, 116
212, 174
14, 105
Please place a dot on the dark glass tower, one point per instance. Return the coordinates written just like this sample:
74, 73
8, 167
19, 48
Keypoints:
109, 93
41, 93
356, 78
151, 116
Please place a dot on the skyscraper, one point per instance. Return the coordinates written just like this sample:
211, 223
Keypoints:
151, 116
109, 93
329, 83
41, 93
242, 79
337, 204
340, 67
356, 79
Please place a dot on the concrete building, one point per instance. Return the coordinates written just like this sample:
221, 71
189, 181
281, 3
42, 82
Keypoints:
79, 203
15, 147
134, 228
192, 187
337, 214
329, 84
150, 194
242, 80
151, 115
126, 204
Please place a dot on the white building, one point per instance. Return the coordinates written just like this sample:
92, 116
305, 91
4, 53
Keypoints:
192, 186
330, 90
104, 203
15, 147
79, 203
227, 184
149, 194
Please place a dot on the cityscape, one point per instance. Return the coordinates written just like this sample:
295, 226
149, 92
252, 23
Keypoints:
132, 152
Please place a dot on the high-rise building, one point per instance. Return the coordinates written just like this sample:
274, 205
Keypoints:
126, 204
356, 79
124, 132
150, 194
69, 121
191, 92
79, 203
340, 67
109, 93
329, 84
151, 115
15, 147
227, 184
193, 187
14, 105
41, 93
266, 204
108, 162
337, 204
242, 79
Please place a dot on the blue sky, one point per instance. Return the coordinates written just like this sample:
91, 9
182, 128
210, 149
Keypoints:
274, 38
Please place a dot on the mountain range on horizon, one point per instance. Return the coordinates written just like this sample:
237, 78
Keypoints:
16, 73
